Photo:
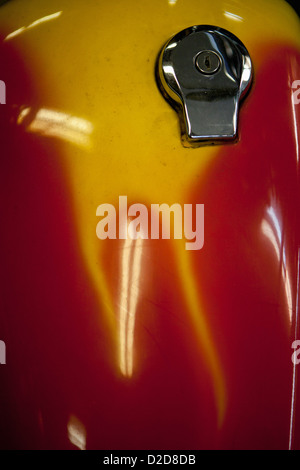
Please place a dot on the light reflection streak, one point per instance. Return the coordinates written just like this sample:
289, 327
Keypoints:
296, 127
25, 112
246, 71
54, 123
130, 277
77, 433
124, 302
269, 233
272, 230
232, 16
292, 417
32, 25
294, 364
169, 70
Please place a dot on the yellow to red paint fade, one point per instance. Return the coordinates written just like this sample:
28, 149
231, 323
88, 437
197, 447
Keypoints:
93, 66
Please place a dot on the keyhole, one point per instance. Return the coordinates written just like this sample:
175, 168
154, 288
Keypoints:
207, 62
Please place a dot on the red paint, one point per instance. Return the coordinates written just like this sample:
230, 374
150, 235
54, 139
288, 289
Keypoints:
238, 272
61, 358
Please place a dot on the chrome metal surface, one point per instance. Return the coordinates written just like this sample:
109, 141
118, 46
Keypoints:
204, 71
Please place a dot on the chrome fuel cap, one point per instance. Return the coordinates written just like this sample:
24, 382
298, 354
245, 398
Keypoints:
204, 72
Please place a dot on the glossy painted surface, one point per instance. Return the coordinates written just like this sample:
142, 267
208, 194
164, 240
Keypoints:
142, 344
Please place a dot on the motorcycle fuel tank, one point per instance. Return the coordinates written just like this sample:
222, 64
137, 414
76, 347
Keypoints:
150, 225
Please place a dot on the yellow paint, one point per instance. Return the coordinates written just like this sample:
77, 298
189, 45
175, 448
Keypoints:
96, 65
203, 331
